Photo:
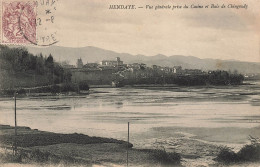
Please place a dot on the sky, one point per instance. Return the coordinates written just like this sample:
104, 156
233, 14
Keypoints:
204, 33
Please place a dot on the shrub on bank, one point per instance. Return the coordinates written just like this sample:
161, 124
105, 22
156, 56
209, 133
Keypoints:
249, 153
39, 156
35, 156
83, 85
227, 156
7, 157
166, 158
66, 87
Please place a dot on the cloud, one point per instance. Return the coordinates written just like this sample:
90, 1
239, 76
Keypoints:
225, 19
213, 33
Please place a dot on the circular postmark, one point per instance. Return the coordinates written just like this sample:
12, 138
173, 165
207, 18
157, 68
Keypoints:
27, 22
44, 23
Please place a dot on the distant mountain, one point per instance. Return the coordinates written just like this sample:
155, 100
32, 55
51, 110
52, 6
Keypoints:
94, 54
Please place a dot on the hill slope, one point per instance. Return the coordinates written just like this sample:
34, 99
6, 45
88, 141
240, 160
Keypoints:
93, 54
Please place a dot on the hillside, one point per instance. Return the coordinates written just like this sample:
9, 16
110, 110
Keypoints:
20, 68
93, 54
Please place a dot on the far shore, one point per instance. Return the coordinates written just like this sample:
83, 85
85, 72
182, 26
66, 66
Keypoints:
22, 93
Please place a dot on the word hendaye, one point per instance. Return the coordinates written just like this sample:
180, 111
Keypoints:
122, 7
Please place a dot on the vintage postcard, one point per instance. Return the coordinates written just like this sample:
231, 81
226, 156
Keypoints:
130, 83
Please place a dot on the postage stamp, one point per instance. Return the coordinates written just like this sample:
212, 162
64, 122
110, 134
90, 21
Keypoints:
26, 22
18, 22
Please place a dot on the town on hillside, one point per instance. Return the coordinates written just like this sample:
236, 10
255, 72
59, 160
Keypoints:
117, 73
21, 70
118, 65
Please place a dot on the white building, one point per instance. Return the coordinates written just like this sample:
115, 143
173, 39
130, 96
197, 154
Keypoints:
116, 62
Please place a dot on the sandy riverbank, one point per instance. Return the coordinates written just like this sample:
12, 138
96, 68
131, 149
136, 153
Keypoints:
51, 149
200, 145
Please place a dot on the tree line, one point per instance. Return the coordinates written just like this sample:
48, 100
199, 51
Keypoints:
217, 77
19, 60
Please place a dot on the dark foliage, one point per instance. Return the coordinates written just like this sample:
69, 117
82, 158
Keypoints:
249, 153
227, 156
19, 60
83, 85
54, 89
212, 78
166, 158
9, 157
36, 156
30, 140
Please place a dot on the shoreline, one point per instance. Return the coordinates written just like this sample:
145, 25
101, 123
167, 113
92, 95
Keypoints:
75, 149
41, 147
7, 91
87, 92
